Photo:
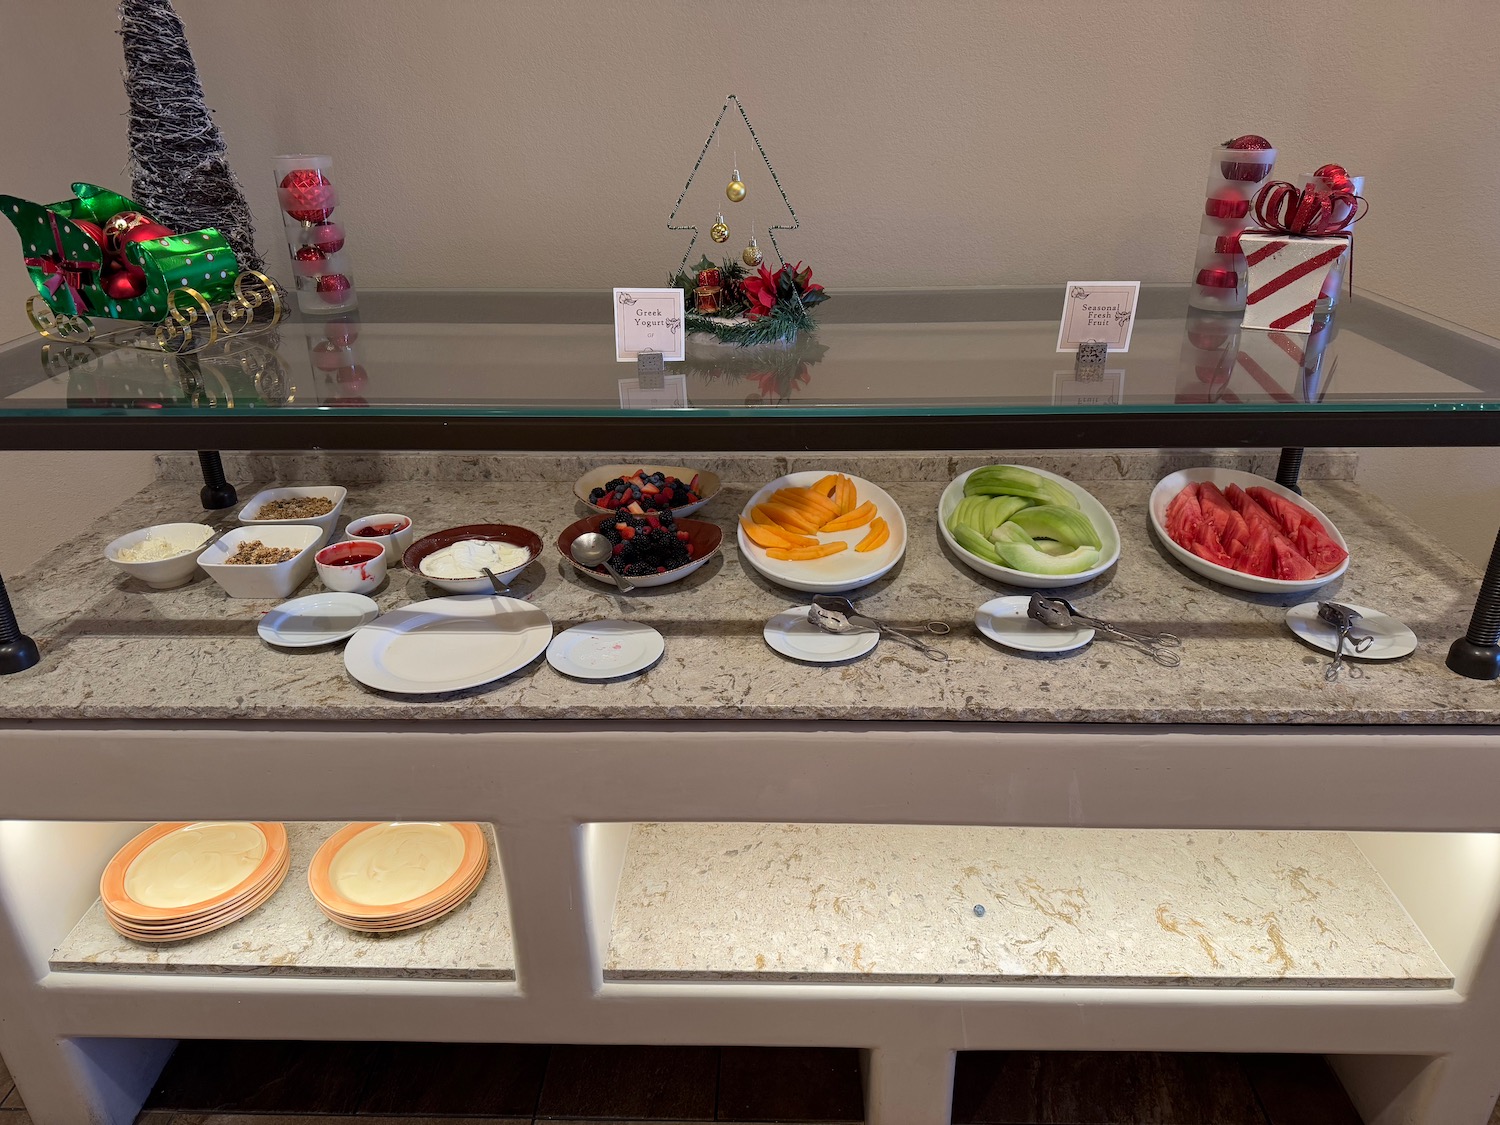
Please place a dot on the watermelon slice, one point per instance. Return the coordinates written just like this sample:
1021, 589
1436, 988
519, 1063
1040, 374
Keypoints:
1290, 566
1319, 548
1290, 515
1247, 507
1207, 546
1184, 516
1257, 554
1228, 524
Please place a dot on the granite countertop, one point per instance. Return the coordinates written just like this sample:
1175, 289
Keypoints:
115, 649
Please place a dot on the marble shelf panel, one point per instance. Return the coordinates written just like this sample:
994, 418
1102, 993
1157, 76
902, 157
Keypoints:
897, 904
290, 937
114, 649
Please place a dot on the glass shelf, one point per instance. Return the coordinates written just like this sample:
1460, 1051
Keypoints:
933, 369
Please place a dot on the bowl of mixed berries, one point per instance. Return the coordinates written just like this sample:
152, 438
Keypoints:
655, 488
650, 548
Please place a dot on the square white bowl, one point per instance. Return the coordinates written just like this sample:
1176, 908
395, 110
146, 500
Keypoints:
162, 574
328, 522
263, 580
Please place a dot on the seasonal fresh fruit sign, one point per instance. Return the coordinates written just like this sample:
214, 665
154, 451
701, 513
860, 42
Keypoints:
1098, 312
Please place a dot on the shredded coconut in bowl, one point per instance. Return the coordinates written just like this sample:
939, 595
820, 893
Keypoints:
155, 548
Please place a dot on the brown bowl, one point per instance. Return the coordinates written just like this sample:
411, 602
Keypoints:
490, 532
709, 484
706, 538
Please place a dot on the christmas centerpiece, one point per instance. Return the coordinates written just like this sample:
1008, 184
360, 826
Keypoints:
726, 303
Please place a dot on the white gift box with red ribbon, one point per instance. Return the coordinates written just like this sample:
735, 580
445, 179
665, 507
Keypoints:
1287, 276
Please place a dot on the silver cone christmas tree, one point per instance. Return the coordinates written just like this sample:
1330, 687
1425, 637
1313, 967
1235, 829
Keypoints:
178, 169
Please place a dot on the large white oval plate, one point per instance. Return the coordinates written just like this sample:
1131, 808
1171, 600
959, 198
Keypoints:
447, 644
1169, 486
837, 574
1109, 536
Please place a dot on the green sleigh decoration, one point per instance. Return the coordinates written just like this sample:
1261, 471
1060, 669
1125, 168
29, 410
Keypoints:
194, 285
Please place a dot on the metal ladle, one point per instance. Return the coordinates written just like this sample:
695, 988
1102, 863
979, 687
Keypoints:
835, 614
1342, 618
1058, 613
592, 549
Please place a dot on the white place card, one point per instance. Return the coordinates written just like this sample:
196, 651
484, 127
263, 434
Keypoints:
650, 320
1098, 312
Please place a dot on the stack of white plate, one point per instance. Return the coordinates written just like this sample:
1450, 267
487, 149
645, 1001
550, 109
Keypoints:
182, 880
396, 875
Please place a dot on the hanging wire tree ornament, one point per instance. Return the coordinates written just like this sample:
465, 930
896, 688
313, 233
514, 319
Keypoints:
724, 300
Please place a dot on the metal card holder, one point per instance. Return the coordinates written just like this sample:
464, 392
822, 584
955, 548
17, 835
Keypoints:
650, 369
1090, 360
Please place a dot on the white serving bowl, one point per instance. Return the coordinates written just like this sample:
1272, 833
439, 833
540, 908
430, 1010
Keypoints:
1109, 536
836, 574
162, 574
265, 580
1169, 486
328, 521
395, 544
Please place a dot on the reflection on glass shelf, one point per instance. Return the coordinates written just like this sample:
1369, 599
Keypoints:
964, 352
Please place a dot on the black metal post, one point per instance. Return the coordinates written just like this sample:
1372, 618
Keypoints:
1289, 468
217, 491
18, 652
1477, 653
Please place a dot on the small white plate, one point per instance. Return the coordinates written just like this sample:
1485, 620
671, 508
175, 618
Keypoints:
318, 619
1004, 621
447, 644
1393, 640
605, 650
792, 634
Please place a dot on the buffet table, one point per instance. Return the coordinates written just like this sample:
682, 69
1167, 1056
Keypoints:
735, 848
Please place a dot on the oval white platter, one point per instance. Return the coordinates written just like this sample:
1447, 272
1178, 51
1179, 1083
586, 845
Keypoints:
317, 619
447, 644
840, 573
1109, 536
1393, 639
792, 634
1166, 491
1004, 621
605, 650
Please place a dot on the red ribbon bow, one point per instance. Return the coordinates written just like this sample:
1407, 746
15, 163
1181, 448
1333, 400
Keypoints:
61, 270
1314, 211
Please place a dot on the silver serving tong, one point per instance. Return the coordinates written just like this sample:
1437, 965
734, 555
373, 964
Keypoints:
834, 614
1342, 618
1058, 613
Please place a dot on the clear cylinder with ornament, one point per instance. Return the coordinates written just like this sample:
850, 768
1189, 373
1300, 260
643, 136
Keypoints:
306, 195
1236, 169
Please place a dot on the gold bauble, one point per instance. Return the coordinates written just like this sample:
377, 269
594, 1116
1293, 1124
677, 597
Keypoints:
736, 190
719, 232
752, 254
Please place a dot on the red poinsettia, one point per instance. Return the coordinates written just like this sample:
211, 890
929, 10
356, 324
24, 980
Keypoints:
765, 288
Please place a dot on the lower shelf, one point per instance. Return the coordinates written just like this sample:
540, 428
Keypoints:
290, 937
901, 904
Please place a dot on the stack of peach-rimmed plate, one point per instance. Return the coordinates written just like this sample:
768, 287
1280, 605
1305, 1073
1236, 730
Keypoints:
396, 875
181, 880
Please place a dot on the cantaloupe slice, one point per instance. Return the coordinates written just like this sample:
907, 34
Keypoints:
880, 532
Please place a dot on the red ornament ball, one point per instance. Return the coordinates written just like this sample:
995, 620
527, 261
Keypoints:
93, 230
128, 227
341, 332
328, 237
333, 286
125, 282
307, 195
354, 377
1226, 205
308, 261
328, 356
1335, 177
1244, 170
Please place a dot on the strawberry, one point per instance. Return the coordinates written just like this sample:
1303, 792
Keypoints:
693, 484
635, 509
627, 532
649, 490
684, 536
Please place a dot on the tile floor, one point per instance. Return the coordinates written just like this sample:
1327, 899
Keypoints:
252, 1083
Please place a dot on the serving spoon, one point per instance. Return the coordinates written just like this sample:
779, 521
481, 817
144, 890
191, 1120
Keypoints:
592, 549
